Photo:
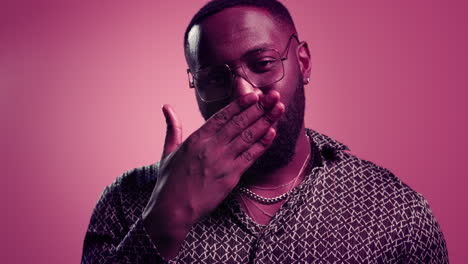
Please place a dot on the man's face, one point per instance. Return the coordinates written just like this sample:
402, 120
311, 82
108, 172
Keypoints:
225, 37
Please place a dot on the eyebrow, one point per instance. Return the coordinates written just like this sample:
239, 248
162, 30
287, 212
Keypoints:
257, 48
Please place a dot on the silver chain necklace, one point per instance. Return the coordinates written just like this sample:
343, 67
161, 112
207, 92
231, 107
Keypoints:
274, 188
265, 200
258, 207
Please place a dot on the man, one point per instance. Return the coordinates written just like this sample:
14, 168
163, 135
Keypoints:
252, 185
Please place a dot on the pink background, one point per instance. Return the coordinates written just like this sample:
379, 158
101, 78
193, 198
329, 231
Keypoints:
82, 85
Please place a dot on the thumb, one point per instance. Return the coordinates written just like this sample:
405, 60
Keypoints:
173, 132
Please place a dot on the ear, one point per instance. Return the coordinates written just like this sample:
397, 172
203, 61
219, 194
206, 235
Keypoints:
305, 64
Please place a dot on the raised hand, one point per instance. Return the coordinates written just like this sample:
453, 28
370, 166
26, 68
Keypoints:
196, 175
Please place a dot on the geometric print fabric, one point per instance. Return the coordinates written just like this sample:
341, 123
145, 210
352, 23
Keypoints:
346, 210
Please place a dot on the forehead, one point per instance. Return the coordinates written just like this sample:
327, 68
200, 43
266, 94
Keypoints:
227, 35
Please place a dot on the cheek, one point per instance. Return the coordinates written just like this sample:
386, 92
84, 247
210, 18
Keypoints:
288, 86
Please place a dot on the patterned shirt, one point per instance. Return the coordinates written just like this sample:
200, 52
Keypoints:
346, 210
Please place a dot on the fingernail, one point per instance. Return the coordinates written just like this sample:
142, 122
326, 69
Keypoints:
270, 134
165, 114
277, 110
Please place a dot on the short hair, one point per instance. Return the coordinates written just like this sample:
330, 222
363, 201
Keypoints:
277, 10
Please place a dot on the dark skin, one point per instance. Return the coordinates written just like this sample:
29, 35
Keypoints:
197, 174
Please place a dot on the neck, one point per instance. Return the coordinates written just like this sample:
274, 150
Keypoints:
290, 171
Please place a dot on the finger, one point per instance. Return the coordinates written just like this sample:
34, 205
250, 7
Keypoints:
241, 121
270, 99
245, 159
173, 132
219, 119
255, 131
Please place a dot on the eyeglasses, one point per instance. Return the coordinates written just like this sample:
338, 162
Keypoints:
259, 68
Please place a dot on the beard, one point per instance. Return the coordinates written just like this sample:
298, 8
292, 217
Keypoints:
282, 150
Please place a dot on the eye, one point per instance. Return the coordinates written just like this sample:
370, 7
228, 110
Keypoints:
217, 79
212, 77
263, 64
211, 81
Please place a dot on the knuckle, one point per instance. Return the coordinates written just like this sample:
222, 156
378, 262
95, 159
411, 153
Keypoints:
247, 136
260, 107
239, 121
221, 116
207, 171
212, 129
202, 154
267, 120
248, 156
177, 128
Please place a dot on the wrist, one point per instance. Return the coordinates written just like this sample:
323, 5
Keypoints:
167, 230
168, 219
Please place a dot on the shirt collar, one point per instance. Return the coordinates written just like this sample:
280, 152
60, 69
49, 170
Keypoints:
325, 142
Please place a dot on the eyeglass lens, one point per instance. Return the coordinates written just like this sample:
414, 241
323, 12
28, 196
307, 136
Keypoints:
259, 69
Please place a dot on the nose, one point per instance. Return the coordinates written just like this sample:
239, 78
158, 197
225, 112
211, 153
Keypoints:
240, 87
